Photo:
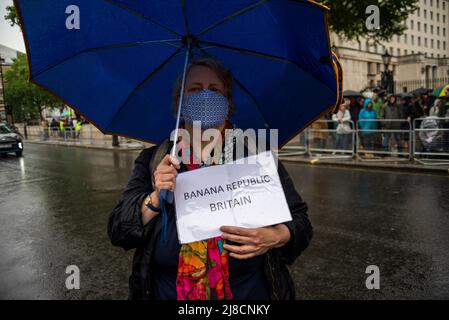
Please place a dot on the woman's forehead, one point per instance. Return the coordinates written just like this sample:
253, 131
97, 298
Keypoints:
202, 74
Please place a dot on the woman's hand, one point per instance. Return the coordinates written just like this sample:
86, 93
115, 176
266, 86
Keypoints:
164, 178
165, 174
254, 241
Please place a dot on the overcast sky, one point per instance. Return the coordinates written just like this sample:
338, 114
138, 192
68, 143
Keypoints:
9, 36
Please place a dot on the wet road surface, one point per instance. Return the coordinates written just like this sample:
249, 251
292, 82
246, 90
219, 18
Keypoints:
54, 204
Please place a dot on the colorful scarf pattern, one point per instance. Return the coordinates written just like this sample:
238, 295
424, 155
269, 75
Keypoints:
203, 268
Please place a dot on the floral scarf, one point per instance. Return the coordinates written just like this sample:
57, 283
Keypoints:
203, 268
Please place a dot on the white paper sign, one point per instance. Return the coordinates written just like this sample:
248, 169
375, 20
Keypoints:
245, 195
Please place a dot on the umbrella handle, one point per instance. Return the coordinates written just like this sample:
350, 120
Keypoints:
167, 195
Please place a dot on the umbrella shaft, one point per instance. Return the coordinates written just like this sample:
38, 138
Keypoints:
181, 97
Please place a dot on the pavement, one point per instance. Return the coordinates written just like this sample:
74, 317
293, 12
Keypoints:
55, 203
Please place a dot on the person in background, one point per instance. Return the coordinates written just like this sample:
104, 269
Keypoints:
78, 126
436, 110
61, 127
343, 132
391, 112
54, 127
377, 103
421, 109
367, 127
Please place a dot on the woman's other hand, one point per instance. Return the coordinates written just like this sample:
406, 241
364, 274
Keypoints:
254, 241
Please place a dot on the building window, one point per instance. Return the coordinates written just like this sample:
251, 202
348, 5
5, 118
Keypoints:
444, 18
399, 52
431, 29
431, 43
425, 27
419, 26
370, 68
438, 4
419, 41
418, 12
405, 52
438, 17
444, 5
438, 31
425, 42
444, 45
444, 32
438, 44
431, 15
411, 24
425, 14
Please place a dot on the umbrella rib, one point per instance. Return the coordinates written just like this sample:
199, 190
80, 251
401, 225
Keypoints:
144, 81
141, 15
112, 46
244, 89
231, 16
184, 13
247, 51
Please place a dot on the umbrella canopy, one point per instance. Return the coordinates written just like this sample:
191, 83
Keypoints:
119, 67
420, 91
352, 94
405, 95
441, 92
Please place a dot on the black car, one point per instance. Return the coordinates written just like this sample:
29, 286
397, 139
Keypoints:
10, 142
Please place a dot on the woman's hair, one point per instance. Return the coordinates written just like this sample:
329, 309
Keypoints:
438, 103
222, 73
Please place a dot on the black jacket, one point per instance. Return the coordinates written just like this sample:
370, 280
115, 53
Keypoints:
125, 229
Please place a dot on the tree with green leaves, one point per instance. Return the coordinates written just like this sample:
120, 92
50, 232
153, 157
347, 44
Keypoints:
348, 17
26, 99
11, 16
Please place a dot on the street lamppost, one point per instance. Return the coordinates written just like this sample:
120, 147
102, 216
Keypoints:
387, 81
3, 87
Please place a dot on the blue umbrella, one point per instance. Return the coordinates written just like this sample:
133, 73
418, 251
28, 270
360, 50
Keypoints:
115, 61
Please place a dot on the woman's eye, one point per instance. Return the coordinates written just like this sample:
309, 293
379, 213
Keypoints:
194, 89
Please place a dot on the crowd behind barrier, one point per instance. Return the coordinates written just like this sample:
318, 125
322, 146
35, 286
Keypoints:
424, 139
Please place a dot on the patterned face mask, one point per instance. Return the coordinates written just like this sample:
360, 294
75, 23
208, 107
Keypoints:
209, 107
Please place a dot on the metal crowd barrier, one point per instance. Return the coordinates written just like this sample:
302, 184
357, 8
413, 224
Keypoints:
325, 141
296, 147
431, 140
384, 140
87, 135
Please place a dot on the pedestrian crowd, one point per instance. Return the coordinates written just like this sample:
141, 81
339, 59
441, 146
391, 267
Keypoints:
384, 123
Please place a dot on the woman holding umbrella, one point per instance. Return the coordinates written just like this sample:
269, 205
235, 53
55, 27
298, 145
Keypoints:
242, 263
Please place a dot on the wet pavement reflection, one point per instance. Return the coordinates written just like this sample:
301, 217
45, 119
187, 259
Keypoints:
55, 201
